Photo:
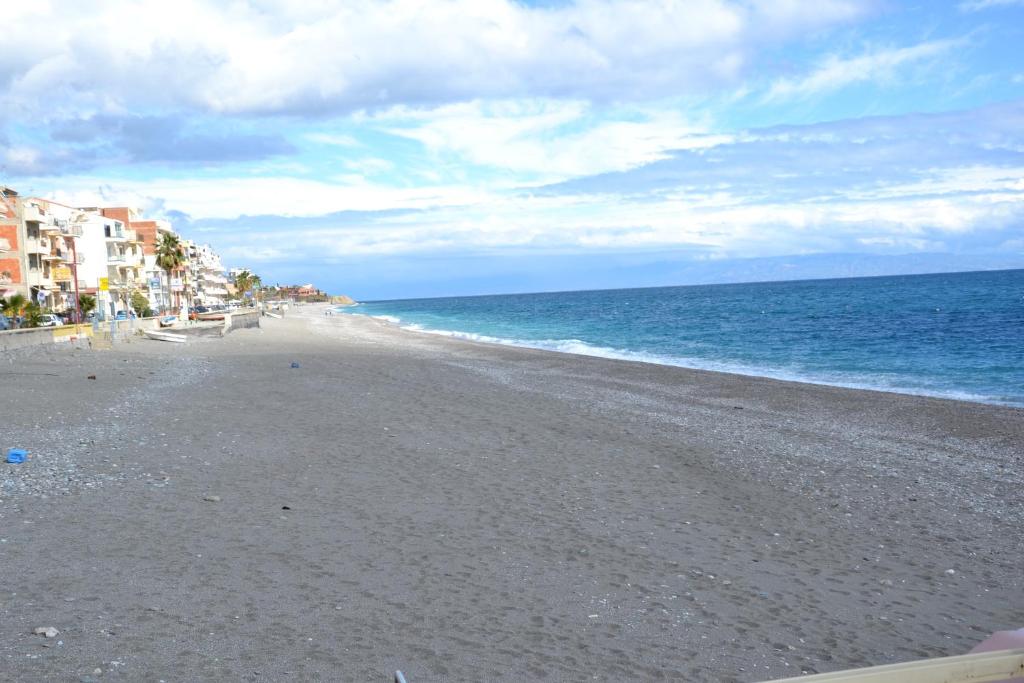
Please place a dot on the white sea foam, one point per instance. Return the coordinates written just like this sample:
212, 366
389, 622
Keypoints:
582, 348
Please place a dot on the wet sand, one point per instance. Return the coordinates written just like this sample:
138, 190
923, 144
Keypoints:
462, 511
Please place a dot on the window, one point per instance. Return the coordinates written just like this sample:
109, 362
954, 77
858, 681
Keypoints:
33, 261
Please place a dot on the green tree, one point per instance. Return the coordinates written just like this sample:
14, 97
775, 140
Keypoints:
247, 282
170, 256
33, 314
87, 303
141, 305
13, 306
243, 282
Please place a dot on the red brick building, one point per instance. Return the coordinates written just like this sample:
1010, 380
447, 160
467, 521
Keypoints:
12, 280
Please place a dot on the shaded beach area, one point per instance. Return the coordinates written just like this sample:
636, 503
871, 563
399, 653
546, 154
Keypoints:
462, 511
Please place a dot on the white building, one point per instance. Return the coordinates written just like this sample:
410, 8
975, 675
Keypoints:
207, 275
114, 260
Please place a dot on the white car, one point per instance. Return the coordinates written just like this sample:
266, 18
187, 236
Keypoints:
50, 320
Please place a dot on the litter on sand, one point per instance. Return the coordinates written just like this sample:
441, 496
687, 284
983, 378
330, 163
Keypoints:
16, 456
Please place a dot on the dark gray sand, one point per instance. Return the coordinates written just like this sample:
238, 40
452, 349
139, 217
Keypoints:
465, 512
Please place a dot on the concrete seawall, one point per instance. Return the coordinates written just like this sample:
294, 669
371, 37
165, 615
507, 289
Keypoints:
241, 321
117, 331
102, 335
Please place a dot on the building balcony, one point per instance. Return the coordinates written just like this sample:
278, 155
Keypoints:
55, 226
116, 258
38, 246
61, 274
34, 212
65, 257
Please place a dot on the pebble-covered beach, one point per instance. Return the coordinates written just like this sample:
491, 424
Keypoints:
461, 511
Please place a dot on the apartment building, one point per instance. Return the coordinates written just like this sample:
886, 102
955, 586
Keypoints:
50, 258
161, 289
12, 279
207, 275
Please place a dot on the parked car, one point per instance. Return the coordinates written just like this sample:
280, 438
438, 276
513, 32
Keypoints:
50, 320
5, 323
121, 315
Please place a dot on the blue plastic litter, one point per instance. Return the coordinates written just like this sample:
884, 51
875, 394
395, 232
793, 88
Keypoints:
16, 456
294, 364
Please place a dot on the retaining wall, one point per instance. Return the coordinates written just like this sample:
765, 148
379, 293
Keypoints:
113, 331
241, 321
117, 330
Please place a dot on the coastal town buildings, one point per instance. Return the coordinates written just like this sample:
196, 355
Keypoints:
306, 292
51, 253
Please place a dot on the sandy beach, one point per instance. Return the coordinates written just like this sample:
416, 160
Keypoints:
462, 511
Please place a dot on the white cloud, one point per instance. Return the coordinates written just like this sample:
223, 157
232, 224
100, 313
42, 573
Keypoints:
547, 140
333, 140
21, 156
334, 56
978, 5
610, 223
835, 72
230, 197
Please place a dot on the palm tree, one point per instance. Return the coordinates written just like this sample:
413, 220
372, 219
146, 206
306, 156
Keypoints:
87, 304
170, 256
243, 282
33, 314
246, 281
13, 306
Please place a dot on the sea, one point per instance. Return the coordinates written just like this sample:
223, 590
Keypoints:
957, 335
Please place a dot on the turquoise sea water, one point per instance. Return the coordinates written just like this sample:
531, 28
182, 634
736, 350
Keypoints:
953, 335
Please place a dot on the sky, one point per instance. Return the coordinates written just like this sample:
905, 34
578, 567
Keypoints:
404, 148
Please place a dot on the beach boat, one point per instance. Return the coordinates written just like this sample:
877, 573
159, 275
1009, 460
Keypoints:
980, 667
212, 315
168, 320
272, 315
160, 335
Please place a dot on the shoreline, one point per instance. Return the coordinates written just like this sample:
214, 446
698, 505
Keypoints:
464, 510
661, 361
